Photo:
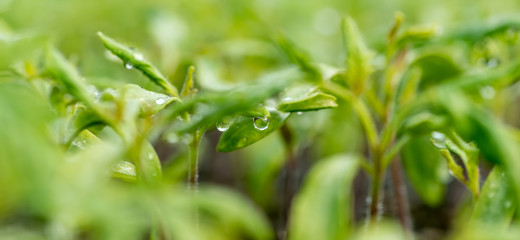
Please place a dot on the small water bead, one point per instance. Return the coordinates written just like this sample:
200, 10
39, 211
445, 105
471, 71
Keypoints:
299, 113
261, 123
222, 126
160, 101
129, 65
438, 139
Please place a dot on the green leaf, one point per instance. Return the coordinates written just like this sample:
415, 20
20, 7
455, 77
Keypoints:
122, 169
187, 88
149, 166
211, 108
231, 211
133, 58
480, 31
467, 170
423, 123
305, 98
125, 171
496, 204
63, 71
321, 210
436, 68
426, 169
150, 102
243, 133
358, 57
417, 34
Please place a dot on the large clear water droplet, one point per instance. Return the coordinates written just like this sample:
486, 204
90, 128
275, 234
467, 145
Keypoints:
129, 65
160, 101
487, 92
439, 139
222, 126
261, 123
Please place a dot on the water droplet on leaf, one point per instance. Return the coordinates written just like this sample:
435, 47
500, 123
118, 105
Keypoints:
438, 140
261, 123
129, 66
160, 101
222, 126
299, 113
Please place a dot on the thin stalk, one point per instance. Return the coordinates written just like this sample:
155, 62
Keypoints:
400, 194
193, 168
361, 109
290, 179
375, 210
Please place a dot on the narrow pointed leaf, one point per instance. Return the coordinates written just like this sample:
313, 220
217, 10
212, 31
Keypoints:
136, 60
187, 88
358, 57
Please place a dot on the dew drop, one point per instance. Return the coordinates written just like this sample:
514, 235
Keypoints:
129, 66
299, 113
150, 155
261, 123
438, 140
287, 99
160, 101
222, 126
487, 92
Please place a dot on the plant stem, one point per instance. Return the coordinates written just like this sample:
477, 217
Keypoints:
375, 211
400, 196
193, 168
291, 178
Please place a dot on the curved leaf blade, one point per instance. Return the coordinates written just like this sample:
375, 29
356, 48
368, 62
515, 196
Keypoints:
130, 56
316, 101
243, 133
496, 204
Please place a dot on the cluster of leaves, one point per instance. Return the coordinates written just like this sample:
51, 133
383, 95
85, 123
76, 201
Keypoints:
77, 161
